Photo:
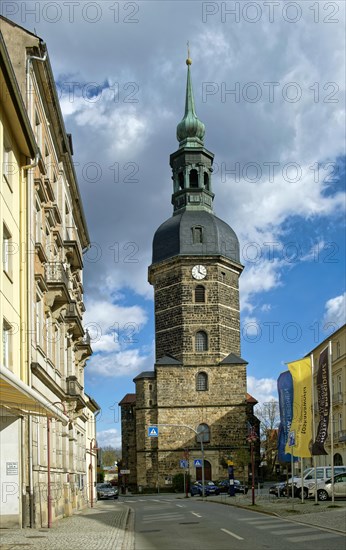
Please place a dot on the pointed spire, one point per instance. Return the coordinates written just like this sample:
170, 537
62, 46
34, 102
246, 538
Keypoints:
190, 131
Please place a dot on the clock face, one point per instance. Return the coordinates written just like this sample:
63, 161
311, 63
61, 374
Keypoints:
199, 272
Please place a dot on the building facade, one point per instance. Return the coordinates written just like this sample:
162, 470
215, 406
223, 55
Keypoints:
196, 394
53, 347
337, 423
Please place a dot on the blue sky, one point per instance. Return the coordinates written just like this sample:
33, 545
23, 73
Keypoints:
269, 87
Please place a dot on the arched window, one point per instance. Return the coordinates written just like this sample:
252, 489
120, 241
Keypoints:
197, 234
206, 180
200, 294
337, 459
202, 381
181, 180
201, 343
203, 433
193, 178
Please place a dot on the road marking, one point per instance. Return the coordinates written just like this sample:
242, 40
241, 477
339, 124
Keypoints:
277, 525
197, 515
252, 520
306, 538
180, 505
293, 530
232, 534
155, 500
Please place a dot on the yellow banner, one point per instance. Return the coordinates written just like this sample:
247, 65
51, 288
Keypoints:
302, 415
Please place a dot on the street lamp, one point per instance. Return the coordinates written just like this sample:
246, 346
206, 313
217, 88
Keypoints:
252, 437
92, 448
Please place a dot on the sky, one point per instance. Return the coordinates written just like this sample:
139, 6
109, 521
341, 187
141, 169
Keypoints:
268, 80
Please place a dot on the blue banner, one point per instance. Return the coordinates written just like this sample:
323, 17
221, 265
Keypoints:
285, 391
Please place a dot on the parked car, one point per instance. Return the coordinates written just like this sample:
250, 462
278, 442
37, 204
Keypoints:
279, 489
322, 473
210, 488
239, 487
324, 488
105, 490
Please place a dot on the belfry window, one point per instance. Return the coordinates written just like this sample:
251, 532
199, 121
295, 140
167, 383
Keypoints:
203, 433
200, 294
181, 180
197, 235
202, 381
206, 181
201, 343
193, 178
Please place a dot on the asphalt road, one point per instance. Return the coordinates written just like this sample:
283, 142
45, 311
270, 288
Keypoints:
168, 523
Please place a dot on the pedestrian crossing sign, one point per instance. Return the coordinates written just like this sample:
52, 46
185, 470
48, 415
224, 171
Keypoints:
153, 431
197, 463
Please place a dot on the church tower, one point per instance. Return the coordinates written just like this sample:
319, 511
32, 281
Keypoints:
199, 381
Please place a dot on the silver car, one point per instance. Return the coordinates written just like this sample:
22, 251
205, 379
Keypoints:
324, 489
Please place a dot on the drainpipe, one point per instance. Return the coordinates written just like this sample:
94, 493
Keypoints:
29, 60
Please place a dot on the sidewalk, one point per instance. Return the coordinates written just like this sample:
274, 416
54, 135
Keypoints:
324, 514
100, 528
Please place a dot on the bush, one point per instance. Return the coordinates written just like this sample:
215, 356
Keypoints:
178, 482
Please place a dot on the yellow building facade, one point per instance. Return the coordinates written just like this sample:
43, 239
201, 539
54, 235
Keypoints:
44, 345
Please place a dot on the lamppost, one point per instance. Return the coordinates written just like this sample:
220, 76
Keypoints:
92, 448
252, 437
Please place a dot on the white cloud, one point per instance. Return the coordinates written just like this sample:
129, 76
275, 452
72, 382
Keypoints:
123, 363
335, 311
262, 389
258, 278
110, 437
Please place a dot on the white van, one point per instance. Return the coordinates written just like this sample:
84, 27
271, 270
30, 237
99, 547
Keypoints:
322, 474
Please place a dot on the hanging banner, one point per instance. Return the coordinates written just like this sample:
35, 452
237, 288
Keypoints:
302, 403
285, 391
323, 400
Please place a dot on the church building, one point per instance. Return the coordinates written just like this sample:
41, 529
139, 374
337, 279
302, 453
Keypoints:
196, 395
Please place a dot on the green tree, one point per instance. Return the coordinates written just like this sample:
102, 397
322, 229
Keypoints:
110, 455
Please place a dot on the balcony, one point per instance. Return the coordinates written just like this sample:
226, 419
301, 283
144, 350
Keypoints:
73, 319
73, 248
57, 284
75, 392
338, 398
83, 348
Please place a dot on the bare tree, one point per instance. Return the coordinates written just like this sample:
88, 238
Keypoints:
269, 415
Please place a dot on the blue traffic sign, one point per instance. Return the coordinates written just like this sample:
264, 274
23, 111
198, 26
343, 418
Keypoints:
184, 463
153, 431
197, 463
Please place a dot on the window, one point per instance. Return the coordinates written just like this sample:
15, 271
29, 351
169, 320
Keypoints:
38, 221
197, 235
7, 168
338, 353
6, 250
201, 341
193, 178
223, 276
206, 181
6, 344
37, 130
202, 381
203, 433
200, 294
181, 180
39, 320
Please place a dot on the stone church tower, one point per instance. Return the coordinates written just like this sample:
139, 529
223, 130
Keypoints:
199, 379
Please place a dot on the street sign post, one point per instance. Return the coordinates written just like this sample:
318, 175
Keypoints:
197, 463
184, 464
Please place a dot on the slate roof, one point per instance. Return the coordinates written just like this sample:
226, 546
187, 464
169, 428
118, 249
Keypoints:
233, 359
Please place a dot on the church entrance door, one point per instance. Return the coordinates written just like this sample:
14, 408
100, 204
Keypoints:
207, 472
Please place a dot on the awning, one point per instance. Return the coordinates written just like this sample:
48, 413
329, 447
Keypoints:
20, 398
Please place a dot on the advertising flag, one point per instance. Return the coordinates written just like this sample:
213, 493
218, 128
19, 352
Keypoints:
323, 399
302, 402
285, 391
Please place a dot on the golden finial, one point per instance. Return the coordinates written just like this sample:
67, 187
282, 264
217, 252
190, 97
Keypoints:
189, 60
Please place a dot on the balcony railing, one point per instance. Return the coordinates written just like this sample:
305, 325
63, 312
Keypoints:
56, 273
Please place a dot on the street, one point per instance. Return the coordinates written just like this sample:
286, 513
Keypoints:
171, 523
